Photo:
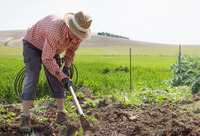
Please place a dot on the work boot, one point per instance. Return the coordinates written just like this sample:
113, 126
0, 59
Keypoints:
61, 117
25, 124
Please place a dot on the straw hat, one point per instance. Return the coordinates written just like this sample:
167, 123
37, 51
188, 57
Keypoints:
79, 23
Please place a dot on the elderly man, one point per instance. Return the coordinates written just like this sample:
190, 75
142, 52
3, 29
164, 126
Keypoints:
43, 44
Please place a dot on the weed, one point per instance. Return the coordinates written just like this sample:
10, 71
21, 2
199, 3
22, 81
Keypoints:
17, 106
92, 103
190, 111
41, 119
138, 110
80, 94
79, 133
2, 109
196, 109
58, 128
68, 105
91, 118
45, 99
76, 133
74, 117
38, 110
10, 117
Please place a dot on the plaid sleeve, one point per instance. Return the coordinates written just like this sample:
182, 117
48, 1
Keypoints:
48, 53
71, 50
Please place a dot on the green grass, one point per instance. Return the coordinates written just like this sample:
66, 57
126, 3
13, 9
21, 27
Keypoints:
106, 73
101, 55
145, 61
108, 78
8, 52
9, 68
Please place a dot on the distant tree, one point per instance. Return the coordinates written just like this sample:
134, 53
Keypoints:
111, 35
107, 34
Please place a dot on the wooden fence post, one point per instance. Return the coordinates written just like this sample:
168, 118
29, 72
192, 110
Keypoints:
130, 70
179, 57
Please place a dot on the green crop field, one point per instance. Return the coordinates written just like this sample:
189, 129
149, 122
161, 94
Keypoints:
144, 61
106, 71
138, 50
8, 52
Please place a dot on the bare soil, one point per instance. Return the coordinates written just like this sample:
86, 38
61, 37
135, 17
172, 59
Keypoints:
115, 119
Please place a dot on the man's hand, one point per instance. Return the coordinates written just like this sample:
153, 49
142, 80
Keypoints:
67, 82
66, 70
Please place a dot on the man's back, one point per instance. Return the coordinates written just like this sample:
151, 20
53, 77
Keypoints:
51, 27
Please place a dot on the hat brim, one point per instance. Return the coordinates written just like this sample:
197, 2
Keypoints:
74, 29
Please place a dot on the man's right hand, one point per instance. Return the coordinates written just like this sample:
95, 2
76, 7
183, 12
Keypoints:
67, 82
66, 70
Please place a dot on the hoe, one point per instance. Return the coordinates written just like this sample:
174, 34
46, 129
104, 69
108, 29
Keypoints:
84, 123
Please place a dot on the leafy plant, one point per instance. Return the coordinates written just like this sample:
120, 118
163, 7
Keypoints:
10, 117
197, 108
45, 99
41, 119
187, 73
2, 109
38, 110
58, 128
80, 94
91, 118
90, 103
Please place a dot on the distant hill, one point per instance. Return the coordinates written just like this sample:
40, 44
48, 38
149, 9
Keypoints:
13, 38
104, 41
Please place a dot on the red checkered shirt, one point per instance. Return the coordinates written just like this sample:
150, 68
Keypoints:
51, 36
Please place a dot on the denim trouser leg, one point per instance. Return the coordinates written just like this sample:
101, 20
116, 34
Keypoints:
32, 61
57, 89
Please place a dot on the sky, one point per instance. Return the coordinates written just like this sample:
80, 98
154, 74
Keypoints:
160, 21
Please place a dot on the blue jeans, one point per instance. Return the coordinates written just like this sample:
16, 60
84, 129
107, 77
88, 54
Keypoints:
32, 60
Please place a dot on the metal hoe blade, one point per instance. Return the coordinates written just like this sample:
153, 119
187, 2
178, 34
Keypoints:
84, 123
